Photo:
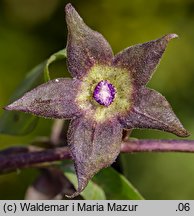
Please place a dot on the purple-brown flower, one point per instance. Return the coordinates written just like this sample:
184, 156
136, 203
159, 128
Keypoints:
106, 95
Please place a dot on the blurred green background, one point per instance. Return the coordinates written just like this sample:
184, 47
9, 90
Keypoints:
31, 30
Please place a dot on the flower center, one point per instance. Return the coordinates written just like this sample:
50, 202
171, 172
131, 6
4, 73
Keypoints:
104, 93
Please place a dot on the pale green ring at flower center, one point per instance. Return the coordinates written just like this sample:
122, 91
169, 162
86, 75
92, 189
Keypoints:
119, 78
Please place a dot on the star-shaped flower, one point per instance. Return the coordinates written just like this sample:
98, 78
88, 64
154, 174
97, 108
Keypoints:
106, 95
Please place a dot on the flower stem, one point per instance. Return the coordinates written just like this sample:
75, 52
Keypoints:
25, 159
22, 157
158, 146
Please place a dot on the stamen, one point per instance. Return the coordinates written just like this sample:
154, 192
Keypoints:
104, 93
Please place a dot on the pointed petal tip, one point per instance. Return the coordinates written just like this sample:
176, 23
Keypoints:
71, 11
168, 37
10, 107
68, 8
77, 193
73, 19
15, 106
82, 183
183, 133
6, 107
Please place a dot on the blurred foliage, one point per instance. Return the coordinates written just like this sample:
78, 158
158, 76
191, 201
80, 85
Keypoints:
106, 184
116, 186
30, 31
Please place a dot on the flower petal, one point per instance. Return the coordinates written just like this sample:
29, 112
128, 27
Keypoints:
93, 146
54, 99
85, 47
142, 59
152, 110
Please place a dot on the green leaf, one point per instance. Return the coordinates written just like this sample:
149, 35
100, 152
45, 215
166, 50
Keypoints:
30, 81
91, 192
116, 186
56, 56
18, 123
15, 123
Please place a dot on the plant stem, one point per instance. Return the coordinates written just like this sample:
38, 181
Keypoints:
23, 160
16, 158
158, 146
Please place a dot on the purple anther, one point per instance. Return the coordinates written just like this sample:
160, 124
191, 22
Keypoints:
104, 93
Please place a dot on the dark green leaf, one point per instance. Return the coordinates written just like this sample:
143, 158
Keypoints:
15, 123
56, 56
30, 81
116, 186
